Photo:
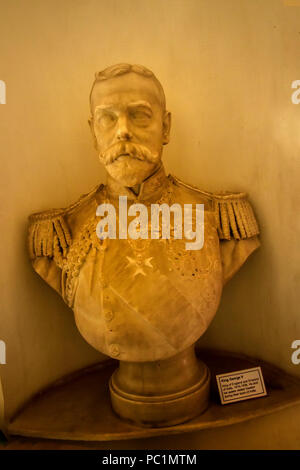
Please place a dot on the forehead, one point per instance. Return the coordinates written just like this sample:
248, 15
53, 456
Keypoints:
125, 89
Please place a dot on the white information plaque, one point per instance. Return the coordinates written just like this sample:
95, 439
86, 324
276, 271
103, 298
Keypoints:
241, 385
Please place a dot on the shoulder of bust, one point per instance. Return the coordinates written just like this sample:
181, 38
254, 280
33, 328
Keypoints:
50, 231
66, 211
234, 214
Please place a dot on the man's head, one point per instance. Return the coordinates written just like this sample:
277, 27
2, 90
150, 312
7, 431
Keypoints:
129, 121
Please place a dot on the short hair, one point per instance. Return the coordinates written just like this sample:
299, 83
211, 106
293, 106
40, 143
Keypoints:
122, 69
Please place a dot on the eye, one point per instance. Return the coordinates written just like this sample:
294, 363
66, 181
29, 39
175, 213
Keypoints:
140, 117
106, 120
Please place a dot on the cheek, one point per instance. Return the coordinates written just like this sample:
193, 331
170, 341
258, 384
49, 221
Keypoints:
103, 138
151, 135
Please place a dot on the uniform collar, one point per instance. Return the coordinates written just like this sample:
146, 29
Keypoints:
151, 187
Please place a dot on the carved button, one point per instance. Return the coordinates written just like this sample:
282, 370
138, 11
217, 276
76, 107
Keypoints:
108, 315
114, 350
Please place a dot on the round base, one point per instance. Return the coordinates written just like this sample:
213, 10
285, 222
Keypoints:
161, 410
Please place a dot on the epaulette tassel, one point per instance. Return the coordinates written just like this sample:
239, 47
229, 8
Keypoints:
235, 218
47, 237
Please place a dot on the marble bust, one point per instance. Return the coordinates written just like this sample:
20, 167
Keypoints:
142, 301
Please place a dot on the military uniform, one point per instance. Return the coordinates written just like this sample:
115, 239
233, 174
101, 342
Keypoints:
142, 300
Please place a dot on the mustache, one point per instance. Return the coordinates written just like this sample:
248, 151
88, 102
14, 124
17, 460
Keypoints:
140, 152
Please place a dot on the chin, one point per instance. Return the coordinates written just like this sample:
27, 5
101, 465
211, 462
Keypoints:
129, 171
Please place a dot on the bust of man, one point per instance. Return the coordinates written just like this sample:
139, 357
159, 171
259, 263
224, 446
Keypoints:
144, 301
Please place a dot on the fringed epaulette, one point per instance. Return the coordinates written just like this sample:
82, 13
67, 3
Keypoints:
49, 234
234, 215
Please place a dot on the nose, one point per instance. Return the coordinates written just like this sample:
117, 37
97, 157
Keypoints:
123, 133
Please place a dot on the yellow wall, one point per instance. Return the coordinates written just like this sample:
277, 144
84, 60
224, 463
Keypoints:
227, 68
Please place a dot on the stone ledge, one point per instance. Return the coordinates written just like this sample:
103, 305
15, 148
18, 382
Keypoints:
77, 407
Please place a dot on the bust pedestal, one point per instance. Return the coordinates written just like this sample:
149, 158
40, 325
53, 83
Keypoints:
161, 393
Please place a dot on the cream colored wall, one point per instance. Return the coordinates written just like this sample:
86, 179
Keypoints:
227, 68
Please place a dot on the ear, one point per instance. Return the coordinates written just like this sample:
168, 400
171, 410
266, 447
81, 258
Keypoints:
166, 127
91, 124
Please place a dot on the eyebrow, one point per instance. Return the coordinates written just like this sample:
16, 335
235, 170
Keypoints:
104, 106
134, 104
143, 104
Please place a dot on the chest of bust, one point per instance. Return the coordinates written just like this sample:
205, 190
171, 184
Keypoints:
145, 300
